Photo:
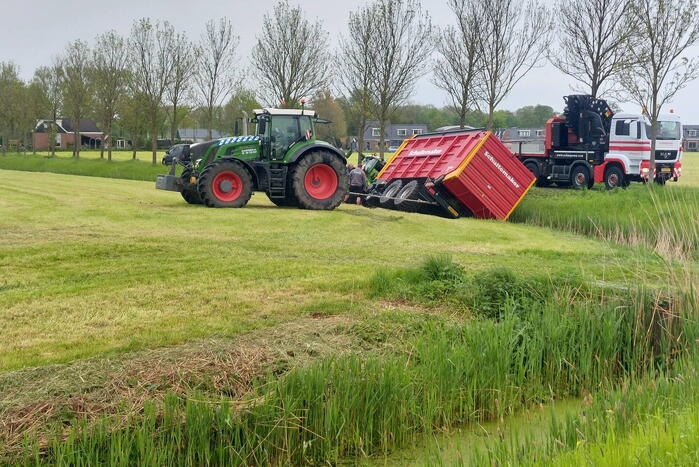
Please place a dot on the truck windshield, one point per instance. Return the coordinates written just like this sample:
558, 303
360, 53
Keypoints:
669, 130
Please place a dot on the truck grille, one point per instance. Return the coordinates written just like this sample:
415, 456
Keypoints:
665, 155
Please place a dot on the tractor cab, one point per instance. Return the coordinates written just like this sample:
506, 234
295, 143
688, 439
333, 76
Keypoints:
280, 130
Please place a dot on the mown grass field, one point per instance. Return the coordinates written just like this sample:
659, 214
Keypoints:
327, 334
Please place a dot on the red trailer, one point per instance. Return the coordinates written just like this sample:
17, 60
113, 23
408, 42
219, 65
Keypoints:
461, 173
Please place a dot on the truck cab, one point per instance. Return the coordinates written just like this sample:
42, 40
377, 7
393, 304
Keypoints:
630, 146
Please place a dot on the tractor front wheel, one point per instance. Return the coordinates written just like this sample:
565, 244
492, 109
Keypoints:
225, 184
320, 181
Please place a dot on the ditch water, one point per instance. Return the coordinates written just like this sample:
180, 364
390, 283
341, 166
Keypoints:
456, 446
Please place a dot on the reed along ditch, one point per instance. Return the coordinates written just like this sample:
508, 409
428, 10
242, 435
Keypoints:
495, 344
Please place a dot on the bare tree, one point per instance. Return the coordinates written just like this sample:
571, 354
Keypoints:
76, 87
516, 38
291, 59
109, 75
184, 59
150, 60
49, 79
214, 73
11, 94
592, 35
458, 65
666, 29
398, 52
355, 55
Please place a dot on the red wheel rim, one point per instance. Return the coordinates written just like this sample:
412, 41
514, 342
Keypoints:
227, 186
613, 179
320, 181
580, 179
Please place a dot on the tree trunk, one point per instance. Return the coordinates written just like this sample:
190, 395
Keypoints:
462, 117
108, 142
382, 136
653, 136
210, 112
133, 147
360, 141
76, 143
154, 146
53, 134
173, 128
491, 117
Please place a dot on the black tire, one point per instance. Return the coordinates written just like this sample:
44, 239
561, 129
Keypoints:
660, 181
189, 191
533, 167
320, 181
391, 191
580, 177
411, 191
288, 201
225, 184
614, 177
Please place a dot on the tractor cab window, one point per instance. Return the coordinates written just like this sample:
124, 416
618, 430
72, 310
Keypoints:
306, 127
285, 130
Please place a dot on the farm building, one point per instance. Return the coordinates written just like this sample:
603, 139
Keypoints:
691, 138
90, 135
395, 134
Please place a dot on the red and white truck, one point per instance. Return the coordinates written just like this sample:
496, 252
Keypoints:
591, 144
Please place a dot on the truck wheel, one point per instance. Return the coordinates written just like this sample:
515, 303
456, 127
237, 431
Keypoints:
225, 184
614, 177
320, 181
391, 191
580, 177
189, 192
411, 191
660, 181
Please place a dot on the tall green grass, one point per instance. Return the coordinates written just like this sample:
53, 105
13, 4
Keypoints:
447, 374
664, 218
652, 420
130, 170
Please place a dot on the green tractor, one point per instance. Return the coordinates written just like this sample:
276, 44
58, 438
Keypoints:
283, 159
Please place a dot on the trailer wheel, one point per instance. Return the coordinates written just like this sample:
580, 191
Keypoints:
189, 192
411, 191
320, 181
225, 184
614, 177
580, 177
391, 191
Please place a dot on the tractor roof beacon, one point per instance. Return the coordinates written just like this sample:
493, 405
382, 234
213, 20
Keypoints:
282, 158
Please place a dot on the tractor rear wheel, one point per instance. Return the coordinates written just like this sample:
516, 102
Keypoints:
189, 192
225, 184
320, 181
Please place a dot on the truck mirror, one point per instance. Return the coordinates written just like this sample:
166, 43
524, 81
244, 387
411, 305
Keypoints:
262, 127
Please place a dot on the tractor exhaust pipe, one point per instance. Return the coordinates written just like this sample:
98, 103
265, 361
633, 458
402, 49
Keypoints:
245, 123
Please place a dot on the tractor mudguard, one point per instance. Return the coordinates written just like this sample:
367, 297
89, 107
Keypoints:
249, 167
317, 145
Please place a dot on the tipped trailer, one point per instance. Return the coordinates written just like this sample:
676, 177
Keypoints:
462, 173
591, 144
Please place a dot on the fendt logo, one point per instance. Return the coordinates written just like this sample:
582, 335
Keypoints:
425, 152
502, 169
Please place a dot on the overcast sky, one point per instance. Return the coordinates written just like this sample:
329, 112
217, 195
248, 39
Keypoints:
33, 32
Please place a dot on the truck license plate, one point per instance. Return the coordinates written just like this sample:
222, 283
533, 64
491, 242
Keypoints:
665, 169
